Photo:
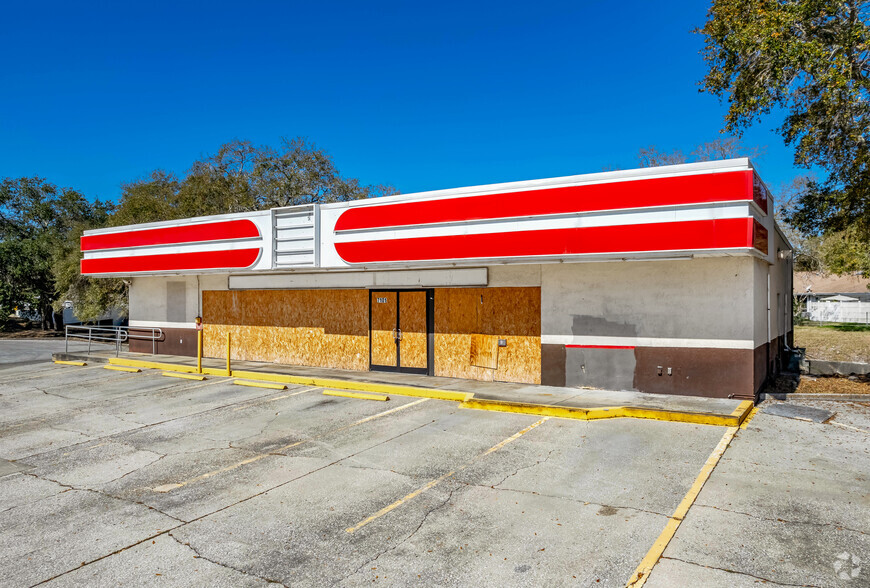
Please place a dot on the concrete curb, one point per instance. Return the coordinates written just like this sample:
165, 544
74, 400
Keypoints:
613, 412
792, 396
818, 367
465, 399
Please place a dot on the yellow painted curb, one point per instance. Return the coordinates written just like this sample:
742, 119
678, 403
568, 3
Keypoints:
185, 376
609, 412
466, 399
357, 386
154, 365
120, 368
360, 395
260, 384
78, 363
305, 380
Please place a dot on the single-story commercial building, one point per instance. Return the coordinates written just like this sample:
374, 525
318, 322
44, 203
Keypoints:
672, 279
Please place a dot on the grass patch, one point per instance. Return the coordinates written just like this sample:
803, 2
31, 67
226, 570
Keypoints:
835, 344
848, 327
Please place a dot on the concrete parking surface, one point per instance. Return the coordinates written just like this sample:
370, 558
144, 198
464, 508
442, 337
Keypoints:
118, 479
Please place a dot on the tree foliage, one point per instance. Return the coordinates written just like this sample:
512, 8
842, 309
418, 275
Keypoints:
40, 225
242, 177
720, 148
810, 59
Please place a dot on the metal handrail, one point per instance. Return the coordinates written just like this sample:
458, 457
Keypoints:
112, 335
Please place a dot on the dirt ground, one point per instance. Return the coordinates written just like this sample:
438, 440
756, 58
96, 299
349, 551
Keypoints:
820, 385
18, 328
835, 342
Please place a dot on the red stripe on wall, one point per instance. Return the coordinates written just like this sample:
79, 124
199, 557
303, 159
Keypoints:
197, 260
217, 231
686, 235
728, 186
600, 346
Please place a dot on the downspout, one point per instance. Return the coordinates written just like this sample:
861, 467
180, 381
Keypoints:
789, 315
768, 314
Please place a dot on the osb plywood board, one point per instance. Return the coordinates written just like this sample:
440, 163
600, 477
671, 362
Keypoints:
412, 321
324, 328
513, 314
484, 351
383, 328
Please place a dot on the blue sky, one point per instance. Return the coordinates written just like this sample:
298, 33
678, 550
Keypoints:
419, 95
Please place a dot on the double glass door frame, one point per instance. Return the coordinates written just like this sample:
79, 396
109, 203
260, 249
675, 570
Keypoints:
397, 332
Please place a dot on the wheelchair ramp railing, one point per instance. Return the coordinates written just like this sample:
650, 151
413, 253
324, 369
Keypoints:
114, 336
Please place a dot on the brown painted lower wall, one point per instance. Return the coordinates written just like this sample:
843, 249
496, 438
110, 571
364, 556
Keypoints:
720, 373
716, 373
553, 362
770, 359
173, 342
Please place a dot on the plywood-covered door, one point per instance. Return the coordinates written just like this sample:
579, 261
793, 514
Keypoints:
384, 316
412, 330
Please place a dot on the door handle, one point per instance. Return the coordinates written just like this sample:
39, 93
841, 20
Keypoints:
398, 334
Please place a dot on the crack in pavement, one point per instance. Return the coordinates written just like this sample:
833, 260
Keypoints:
102, 493
35, 500
102, 557
738, 573
146, 426
184, 523
777, 520
406, 539
137, 469
223, 565
526, 467
568, 498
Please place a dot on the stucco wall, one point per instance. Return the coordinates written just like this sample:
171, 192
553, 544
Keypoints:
164, 301
683, 314
706, 298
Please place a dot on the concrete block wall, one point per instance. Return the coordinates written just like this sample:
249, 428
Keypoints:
612, 324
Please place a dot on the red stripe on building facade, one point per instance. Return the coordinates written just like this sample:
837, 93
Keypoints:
197, 233
600, 346
685, 235
197, 260
696, 189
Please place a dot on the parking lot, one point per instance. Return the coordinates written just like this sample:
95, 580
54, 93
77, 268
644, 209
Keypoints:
111, 478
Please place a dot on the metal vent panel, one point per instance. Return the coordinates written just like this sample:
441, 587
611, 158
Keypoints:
296, 236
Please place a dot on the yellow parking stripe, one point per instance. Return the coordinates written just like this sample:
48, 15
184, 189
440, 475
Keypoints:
78, 363
172, 486
641, 574
749, 417
440, 479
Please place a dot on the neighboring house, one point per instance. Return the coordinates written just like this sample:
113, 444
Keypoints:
833, 299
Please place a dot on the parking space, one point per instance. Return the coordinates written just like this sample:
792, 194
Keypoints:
138, 479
